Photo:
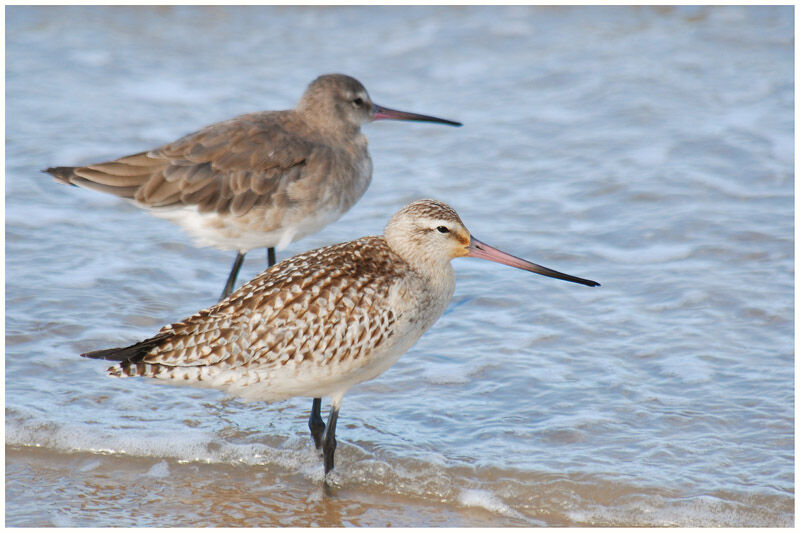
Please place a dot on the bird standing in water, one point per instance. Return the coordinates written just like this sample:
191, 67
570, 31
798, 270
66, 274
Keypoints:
320, 322
258, 180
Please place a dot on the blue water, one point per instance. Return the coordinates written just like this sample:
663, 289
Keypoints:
650, 149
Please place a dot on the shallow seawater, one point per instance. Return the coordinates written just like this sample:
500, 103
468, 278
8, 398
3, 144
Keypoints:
649, 149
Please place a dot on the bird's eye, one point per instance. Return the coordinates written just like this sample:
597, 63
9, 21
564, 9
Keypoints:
442, 229
358, 101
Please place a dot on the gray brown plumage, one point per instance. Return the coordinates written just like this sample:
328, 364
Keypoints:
258, 180
320, 322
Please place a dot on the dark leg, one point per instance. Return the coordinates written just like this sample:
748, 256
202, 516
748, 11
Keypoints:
329, 446
270, 256
315, 423
237, 264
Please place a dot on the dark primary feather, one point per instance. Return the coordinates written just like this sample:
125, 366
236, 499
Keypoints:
129, 354
62, 174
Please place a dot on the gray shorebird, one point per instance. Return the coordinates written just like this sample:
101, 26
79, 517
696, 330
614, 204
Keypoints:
320, 322
258, 180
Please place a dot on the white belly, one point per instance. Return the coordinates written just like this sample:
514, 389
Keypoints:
251, 230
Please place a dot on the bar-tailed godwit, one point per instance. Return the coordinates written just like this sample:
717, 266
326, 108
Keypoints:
320, 322
258, 180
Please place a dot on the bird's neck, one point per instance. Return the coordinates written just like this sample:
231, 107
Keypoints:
325, 122
434, 268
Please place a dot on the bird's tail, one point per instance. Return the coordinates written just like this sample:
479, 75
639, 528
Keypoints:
62, 174
122, 177
130, 358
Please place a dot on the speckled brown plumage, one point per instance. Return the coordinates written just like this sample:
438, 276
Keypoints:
320, 322
325, 307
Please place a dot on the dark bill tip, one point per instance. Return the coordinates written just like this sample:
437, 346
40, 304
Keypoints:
384, 113
484, 251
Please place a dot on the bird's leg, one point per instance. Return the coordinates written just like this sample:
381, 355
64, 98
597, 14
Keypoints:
270, 256
315, 423
329, 445
237, 264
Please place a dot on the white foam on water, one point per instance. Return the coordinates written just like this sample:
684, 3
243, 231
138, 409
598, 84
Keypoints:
486, 500
702, 511
687, 370
185, 446
159, 470
451, 372
360, 469
656, 253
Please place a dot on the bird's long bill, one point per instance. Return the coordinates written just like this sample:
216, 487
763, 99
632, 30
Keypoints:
484, 251
384, 113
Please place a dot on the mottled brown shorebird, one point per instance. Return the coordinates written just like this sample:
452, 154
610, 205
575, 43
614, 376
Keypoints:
259, 180
320, 322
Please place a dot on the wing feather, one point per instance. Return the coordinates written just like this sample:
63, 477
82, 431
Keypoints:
229, 166
310, 308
